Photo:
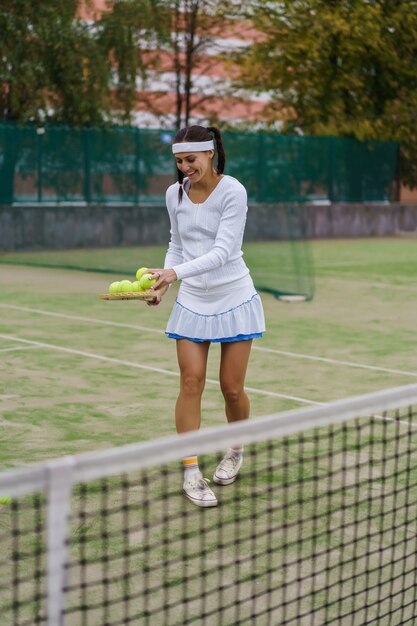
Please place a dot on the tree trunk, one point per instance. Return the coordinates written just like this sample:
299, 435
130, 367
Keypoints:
177, 62
189, 53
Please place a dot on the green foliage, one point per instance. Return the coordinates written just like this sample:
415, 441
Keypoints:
126, 29
195, 25
56, 66
339, 67
53, 65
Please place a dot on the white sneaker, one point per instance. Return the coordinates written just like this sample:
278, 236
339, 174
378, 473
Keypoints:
228, 469
197, 490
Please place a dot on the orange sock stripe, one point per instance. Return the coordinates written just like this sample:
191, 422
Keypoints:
190, 461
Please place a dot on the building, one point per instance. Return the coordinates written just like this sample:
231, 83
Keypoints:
212, 96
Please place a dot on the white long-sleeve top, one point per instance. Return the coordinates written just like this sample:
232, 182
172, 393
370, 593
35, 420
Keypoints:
205, 247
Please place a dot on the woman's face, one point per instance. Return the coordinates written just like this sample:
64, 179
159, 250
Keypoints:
195, 165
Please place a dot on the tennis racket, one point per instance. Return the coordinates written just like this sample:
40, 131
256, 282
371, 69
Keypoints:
130, 295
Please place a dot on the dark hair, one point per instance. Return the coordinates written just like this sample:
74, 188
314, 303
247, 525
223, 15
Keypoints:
201, 133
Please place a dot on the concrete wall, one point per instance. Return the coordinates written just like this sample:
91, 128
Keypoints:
362, 220
26, 227
53, 227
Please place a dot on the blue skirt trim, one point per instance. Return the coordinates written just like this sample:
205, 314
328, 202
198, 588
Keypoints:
222, 340
217, 317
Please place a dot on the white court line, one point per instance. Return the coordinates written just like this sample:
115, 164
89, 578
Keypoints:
159, 370
78, 318
323, 359
296, 355
101, 357
17, 348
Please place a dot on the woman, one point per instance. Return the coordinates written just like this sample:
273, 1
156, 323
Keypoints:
217, 301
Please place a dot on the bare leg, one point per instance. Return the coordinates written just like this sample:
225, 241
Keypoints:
233, 366
192, 361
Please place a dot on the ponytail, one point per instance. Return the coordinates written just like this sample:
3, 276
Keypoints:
221, 155
181, 189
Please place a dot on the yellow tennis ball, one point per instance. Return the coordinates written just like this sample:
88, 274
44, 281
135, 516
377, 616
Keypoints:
125, 286
141, 272
136, 286
114, 287
146, 282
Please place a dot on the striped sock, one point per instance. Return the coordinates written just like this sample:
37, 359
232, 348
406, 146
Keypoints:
236, 451
190, 465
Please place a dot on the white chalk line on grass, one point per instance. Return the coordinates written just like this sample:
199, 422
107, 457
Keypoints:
17, 348
295, 355
309, 357
79, 318
150, 368
159, 370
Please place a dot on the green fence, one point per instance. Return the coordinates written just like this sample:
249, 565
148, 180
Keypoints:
118, 164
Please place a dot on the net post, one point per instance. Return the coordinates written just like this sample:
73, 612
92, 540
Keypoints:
60, 480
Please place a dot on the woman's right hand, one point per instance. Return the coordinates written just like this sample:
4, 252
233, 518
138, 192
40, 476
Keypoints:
165, 277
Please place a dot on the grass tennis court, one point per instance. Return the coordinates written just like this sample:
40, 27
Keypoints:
319, 529
80, 374
320, 526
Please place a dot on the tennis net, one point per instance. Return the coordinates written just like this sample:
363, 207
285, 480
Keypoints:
320, 527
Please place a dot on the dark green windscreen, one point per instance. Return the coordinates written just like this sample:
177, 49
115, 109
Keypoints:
119, 164
282, 174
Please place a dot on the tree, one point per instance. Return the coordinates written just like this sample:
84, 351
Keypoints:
52, 68
52, 64
155, 36
188, 43
128, 30
197, 26
339, 67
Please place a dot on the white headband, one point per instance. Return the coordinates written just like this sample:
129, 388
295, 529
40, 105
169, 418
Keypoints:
193, 146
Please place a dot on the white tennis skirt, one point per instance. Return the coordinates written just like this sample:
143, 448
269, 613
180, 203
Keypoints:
232, 312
